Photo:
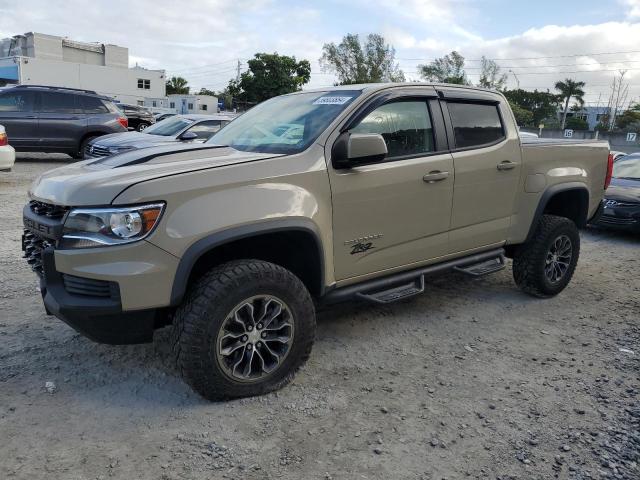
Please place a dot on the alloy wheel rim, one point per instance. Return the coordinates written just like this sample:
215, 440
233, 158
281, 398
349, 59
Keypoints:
558, 259
255, 338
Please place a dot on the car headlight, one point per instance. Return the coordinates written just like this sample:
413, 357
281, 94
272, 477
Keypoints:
116, 150
97, 227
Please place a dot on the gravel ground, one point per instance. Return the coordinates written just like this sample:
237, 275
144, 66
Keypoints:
472, 379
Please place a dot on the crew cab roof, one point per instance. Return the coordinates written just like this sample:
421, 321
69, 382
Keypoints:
369, 87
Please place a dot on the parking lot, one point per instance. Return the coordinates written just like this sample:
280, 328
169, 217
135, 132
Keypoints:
472, 379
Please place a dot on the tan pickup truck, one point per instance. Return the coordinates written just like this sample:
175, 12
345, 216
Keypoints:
347, 193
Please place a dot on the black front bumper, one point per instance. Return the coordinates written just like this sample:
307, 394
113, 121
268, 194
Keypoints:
98, 318
618, 218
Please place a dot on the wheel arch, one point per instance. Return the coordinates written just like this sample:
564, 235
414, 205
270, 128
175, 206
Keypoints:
89, 134
569, 200
294, 244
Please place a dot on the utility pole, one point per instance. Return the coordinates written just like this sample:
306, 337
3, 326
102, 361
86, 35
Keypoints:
238, 72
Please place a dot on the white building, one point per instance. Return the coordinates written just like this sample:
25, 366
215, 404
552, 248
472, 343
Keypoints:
39, 59
205, 104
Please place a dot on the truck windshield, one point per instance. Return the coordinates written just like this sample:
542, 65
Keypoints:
286, 124
169, 127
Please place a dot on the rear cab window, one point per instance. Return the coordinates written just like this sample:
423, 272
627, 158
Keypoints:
475, 124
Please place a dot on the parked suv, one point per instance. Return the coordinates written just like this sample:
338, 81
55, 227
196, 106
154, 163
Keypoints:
139, 117
52, 119
346, 193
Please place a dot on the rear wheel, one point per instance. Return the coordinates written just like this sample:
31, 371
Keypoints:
79, 155
543, 266
244, 329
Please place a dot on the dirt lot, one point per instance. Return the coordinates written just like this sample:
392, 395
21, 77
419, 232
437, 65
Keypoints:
472, 379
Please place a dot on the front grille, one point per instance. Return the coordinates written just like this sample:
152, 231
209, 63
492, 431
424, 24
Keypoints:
33, 246
47, 209
90, 287
611, 220
96, 151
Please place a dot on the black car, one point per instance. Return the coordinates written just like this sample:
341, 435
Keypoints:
622, 198
139, 117
55, 119
179, 128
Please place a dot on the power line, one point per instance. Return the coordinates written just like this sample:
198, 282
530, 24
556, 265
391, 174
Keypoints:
206, 65
537, 58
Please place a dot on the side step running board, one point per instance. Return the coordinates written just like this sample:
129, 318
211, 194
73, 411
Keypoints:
483, 268
407, 284
395, 293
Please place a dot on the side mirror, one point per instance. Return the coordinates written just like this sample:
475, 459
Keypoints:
352, 149
188, 136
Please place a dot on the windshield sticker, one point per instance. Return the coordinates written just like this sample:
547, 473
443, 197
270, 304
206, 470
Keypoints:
332, 100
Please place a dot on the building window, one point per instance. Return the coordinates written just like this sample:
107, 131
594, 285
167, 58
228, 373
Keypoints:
140, 103
172, 104
154, 103
144, 83
203, 107
190, 106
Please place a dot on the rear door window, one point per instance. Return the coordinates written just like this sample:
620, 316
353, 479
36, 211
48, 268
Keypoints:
16, 102
475, 124
405, 126
57, 102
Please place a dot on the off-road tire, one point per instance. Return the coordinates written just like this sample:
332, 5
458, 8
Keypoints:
79, 155
208, 303
529, 259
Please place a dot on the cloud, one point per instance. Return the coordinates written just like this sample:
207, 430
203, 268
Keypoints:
204, 41
633, 8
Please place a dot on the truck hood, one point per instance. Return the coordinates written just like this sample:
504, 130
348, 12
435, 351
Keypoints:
623, 190
132, 139
100, 181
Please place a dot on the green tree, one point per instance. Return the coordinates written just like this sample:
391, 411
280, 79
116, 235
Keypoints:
524, 118
206, 91
355, 62
490, 75
629, 119
447, 69
576, 123
542, 105
569, 89
177, 85
270, 75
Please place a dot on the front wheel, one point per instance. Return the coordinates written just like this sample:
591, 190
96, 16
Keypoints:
142, 126
244, 329
543, 266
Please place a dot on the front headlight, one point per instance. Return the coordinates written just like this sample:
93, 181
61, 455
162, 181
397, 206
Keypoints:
97, 227
116, 150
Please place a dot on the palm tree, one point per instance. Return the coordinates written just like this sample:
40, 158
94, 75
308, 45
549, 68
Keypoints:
570, 89
177, 85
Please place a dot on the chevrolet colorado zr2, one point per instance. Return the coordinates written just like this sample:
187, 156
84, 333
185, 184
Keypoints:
354, 192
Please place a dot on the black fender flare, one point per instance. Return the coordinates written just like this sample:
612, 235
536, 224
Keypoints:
208, 243
548, 194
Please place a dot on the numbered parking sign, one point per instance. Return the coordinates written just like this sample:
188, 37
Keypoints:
632, 137
568, 133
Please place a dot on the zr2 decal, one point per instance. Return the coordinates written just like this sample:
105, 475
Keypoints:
361, 247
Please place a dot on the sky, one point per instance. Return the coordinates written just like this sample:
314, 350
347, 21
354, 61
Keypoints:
535, 43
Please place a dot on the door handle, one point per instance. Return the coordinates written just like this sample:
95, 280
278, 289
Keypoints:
435, 176
507, 165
